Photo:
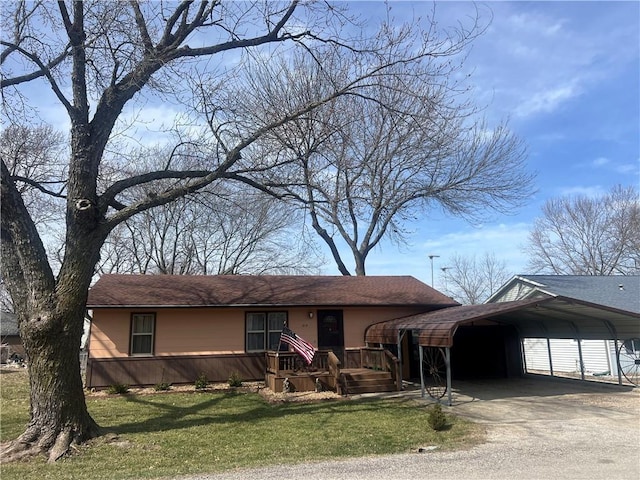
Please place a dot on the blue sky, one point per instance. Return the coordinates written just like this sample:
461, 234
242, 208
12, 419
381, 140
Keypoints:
566, 75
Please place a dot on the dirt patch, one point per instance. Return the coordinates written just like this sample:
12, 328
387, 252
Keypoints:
304, 397
247, 387
183, 388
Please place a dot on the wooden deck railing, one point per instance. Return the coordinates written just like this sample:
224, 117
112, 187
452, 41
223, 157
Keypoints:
283, 364
381, 359
335, 380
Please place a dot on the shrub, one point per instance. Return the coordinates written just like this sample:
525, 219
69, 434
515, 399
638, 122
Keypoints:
162, 386
117, 389
235, 380
201, 382
437, 419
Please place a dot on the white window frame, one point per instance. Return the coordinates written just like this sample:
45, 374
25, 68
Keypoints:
265, 331
135, 334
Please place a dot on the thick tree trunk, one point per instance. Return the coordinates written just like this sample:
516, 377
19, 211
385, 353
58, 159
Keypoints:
59, 416
51, 317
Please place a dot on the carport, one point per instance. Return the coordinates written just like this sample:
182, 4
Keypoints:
477, 330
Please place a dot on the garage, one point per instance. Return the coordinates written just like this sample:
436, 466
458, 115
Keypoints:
485, 341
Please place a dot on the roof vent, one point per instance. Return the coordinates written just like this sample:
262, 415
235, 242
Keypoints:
621, 287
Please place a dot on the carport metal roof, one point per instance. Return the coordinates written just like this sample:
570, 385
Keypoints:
552, 317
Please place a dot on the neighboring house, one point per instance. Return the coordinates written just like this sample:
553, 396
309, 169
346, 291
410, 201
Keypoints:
9, 336
148, 329
563, 354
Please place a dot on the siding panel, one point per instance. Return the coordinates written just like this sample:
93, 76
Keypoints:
139, 371
565, 356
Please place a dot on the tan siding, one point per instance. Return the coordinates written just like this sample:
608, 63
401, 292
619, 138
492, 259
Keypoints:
206, 331
356, 321
199, 331
109, 333
304, 326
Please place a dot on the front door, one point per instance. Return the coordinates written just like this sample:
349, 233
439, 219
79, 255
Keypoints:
331, 332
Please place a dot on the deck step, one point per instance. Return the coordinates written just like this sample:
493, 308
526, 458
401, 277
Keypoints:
368, 376
368, 381
355, 389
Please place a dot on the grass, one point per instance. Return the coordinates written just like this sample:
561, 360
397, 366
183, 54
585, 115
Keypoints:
163, 435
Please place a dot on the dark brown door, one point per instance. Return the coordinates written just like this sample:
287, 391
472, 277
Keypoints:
331, 332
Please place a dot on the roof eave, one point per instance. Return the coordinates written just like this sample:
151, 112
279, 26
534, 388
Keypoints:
435, 306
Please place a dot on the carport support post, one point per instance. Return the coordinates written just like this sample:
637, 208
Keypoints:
422, 392
400, 360
447, 360
550, 360
580, 357
616, 352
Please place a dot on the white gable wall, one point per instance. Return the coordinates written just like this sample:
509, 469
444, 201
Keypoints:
599, 356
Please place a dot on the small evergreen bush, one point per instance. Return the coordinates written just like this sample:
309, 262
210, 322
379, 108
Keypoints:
201, 382
117, 389
235, 380
162, 386
437, 419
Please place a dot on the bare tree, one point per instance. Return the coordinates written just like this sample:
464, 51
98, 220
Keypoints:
470, 280
100, 61
229, 231
6, 304
365, 171
580, 235
33, 157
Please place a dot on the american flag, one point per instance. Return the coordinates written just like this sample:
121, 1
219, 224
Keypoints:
301, 346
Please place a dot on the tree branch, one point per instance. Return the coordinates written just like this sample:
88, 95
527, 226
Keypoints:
39, 186
18, 229
118, 187
142, 26
45, 70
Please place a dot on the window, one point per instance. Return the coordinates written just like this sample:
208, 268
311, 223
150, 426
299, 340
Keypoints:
142, 333
263, 330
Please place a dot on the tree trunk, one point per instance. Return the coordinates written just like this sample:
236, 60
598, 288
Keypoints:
359, 259
58, 413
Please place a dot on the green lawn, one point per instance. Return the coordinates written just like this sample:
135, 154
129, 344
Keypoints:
169, 434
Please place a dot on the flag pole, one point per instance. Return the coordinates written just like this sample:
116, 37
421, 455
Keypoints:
278, 354
284, 325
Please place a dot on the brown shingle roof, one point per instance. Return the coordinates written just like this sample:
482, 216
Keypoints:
266, 290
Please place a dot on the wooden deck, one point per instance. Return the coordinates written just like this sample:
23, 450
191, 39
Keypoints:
370, 370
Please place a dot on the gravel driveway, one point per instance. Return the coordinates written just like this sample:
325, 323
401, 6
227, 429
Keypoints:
537, 429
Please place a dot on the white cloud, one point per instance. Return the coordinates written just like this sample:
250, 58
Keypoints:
600, 162
156, 124
547, 101
607, 164
504, 240
593, 191
629, 168
538, 56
